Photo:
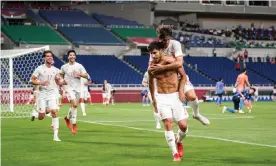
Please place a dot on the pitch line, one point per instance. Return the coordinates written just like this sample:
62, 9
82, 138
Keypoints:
196, 136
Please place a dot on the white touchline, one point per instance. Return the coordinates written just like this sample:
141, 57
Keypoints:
196, 136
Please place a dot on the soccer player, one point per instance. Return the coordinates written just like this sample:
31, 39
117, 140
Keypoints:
169, 100
245, 95
47, 76
112, 95
145, 99
106, 92
85, 95
173, 48
241, 83
219, 91
145, 83
73, 72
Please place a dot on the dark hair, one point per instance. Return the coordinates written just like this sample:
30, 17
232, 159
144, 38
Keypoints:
155, 45
220, 79
164, 31
253, 89
244, 70
70, 51
46, 52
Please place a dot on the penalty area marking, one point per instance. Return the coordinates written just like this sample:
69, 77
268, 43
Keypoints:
196, 136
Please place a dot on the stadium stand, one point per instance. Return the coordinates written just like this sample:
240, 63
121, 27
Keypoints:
141, 62
124, 33
67, 17
87, 35
115, 21
109, 68
221, 67
264, 68
43, 34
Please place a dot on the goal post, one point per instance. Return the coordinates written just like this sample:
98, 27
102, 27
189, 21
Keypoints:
17, 66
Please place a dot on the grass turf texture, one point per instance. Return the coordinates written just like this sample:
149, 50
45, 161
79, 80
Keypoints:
112, 141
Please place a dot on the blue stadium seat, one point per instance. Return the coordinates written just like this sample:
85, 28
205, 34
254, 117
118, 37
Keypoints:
263, 68
109, 68
86, 35
67, 17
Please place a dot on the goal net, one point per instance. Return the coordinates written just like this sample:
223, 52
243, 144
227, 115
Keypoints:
17, 67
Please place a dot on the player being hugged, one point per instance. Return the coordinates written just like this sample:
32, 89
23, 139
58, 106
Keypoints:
73, 72
47, 77
168, 102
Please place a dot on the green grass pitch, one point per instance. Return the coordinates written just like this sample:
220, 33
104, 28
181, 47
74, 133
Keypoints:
125, 135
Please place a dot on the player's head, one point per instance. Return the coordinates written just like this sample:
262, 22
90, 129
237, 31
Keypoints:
156, 51
244, 70
48, 57
164, 35
71, 55
105, 81
252, 91
220, 79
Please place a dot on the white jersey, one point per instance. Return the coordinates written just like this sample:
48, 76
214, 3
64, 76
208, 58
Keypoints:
174, 48
67, 70
83, 82
44, 73
108, 88
146, 81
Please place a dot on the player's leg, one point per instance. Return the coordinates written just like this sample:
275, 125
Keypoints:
241, 104
180, 115
248, 105
71, 98
156, 115
42, 103
74, 112
112, 99
194, 103
82, 105
53, 107
164, 107
35, 110
143, 100
236, 102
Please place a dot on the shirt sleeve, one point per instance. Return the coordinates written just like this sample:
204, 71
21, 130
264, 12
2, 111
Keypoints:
82, 70
177, 49
36, 72
61, 71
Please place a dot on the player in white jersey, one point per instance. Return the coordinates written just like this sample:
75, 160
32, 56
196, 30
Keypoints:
47, 76
84, 95
73, 72
107, 89
145, 83
173, 50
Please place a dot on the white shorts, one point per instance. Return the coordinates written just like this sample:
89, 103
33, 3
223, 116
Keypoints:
149, 96
72, 94
106, 95
52, 104
170, 106
86, 95
188, 86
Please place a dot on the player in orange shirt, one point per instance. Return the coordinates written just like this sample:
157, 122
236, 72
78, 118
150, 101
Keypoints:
241, 83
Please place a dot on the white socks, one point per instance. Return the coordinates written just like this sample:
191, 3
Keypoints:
195, 106
82, 105
169, 135
55, 123
112, 101
181, 135
74, 115
69, 113
156, 118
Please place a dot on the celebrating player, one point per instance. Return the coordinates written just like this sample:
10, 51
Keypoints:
106, 92
47, 76
73, 72
169, 100
85, 95
173, 48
